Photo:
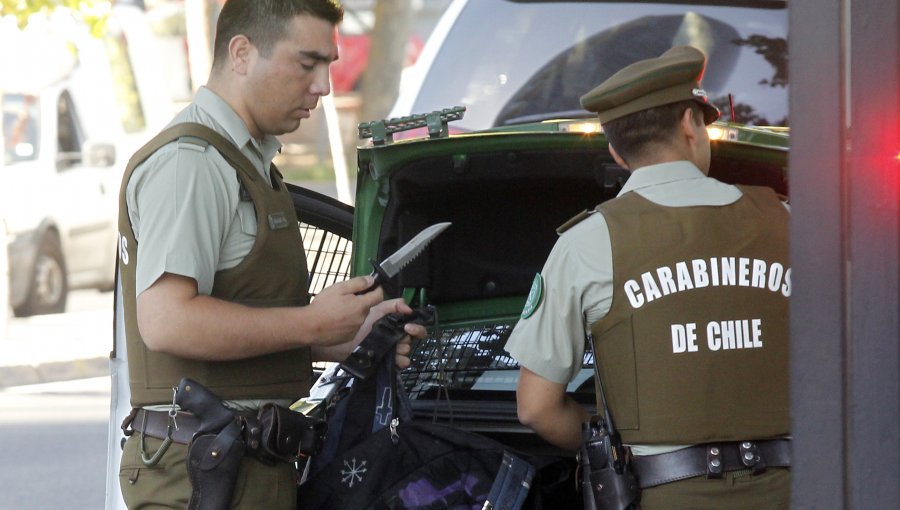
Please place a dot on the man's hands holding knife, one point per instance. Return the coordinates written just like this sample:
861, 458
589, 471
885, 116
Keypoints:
360, 301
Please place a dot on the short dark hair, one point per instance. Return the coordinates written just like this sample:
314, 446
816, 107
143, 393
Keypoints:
265, 22
633, 134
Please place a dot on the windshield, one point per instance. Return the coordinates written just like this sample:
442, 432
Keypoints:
21, 117
510, 62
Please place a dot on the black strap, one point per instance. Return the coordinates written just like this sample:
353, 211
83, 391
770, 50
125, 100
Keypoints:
711, 460
607, 414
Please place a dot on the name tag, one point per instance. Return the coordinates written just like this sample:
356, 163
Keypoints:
278, 220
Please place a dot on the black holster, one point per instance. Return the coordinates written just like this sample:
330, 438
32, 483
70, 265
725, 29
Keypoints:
213, 463
215, 451
224, 437
607, 481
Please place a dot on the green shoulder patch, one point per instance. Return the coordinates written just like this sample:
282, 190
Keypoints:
535, 295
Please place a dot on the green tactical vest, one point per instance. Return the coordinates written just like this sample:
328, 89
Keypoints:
272, 274
695, 346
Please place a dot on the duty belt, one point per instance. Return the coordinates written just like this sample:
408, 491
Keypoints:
712, 460
156, 424
274, 434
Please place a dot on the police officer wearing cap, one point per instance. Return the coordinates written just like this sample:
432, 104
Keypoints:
682, 283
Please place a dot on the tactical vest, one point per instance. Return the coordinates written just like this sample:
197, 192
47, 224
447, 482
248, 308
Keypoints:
272, 274
695, 346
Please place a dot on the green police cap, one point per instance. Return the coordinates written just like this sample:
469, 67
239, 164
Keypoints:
672, 77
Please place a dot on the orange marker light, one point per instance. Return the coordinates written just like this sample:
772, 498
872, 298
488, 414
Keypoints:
715, 132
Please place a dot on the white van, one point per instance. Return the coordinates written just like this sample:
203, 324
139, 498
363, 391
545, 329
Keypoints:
58, 192
4, 277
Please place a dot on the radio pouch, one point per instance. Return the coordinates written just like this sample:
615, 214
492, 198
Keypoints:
287, 435
607, 482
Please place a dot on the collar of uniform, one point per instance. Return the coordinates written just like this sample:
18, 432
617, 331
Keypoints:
222, 113
661, 173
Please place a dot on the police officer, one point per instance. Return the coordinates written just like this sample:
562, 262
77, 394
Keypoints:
212, 267
682, 282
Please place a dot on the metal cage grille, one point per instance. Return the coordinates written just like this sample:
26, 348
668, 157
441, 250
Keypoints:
458, 358
327, 257
466, 358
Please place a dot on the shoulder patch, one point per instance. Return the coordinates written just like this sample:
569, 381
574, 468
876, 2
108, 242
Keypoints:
192, 143
535, 296
578, 218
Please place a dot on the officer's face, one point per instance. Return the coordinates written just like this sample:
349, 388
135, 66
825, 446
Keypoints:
284, 86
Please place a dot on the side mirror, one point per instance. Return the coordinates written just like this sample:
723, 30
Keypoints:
98, 154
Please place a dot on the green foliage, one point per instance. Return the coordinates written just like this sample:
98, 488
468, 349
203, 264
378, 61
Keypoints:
93, 13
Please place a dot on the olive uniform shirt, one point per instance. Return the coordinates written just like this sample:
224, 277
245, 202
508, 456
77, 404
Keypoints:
199, 224
578, 277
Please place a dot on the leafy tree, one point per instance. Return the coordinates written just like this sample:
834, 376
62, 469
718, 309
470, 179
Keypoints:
93, 13
774, 50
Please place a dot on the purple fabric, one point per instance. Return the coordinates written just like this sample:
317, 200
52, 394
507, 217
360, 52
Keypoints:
422, 493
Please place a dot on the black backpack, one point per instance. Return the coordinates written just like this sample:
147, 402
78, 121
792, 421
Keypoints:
375, 456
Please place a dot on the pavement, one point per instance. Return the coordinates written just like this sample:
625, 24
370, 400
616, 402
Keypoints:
58, 347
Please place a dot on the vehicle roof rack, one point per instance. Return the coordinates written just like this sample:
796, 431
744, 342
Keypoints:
382, 131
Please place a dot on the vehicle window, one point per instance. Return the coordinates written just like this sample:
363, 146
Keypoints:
510, 61
69, 137
21, 128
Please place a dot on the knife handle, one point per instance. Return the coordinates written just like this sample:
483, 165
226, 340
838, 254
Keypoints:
385, 333
380, 276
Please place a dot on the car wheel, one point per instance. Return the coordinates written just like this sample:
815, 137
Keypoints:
48, 289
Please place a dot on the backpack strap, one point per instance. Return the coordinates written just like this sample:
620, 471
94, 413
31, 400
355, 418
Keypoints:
511, 485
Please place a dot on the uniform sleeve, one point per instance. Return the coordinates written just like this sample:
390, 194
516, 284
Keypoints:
577, 291
182, 205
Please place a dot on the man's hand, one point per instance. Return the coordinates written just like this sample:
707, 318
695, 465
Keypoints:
403, 347
340, 312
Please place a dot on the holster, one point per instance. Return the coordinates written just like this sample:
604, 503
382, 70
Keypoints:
215, 451
607, 481
276, 434
213, 463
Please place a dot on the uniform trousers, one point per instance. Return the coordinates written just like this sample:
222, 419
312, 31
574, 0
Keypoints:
737, 490
166, 485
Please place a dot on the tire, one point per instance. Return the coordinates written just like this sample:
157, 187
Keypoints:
49, 288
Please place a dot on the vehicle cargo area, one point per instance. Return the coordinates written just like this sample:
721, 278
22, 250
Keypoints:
505, 206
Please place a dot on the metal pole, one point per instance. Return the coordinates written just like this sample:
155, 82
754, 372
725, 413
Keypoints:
335, 142
845, 247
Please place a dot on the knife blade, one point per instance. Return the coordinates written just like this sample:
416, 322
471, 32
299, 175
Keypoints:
389, 267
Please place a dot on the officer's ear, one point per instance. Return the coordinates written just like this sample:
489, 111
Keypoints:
691, 122
240, 51
618, 159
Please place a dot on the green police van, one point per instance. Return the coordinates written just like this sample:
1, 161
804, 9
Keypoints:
505, 190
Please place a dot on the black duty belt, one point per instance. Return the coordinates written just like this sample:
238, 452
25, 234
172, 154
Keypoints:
712, 460
156, 424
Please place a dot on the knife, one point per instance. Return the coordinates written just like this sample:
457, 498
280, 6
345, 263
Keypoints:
392, 265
